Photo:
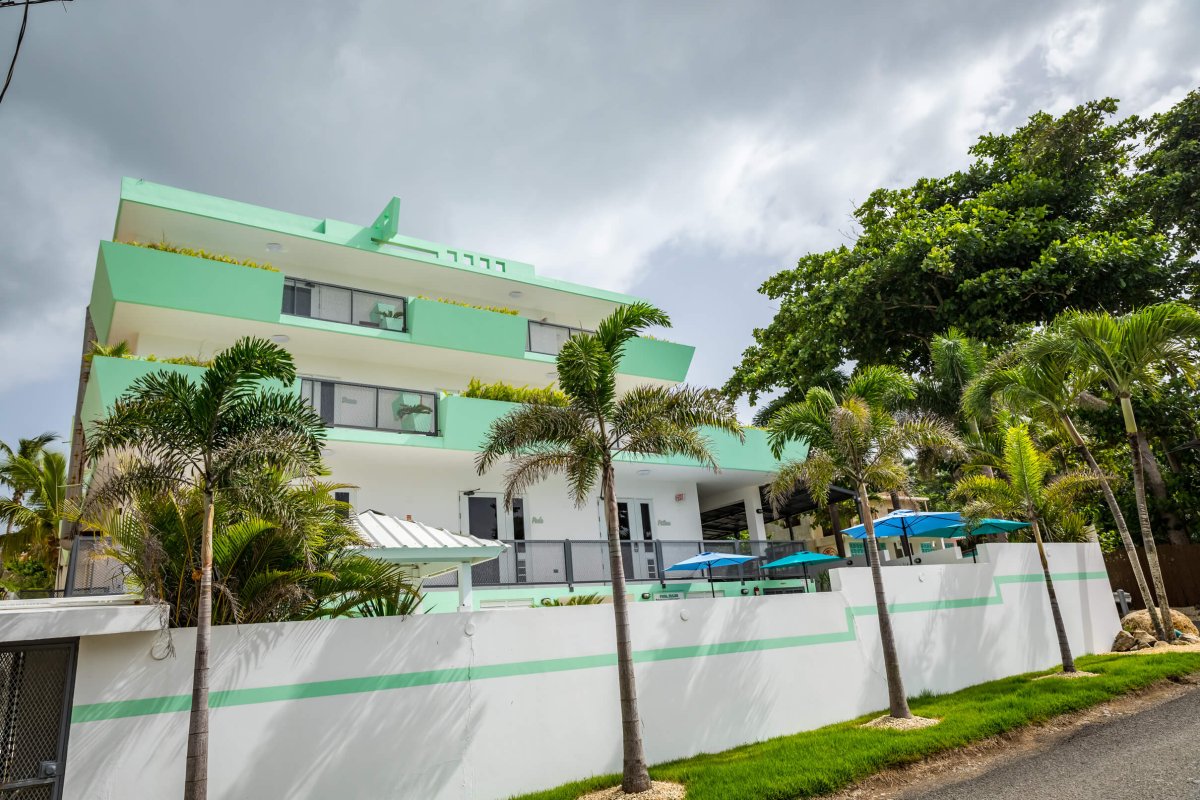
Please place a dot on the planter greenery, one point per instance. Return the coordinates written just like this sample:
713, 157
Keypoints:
497, 309
121, 350
505, 392
201, 253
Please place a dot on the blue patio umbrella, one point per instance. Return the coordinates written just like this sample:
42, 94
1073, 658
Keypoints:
906, 522
708, 560
983, 527
803, 558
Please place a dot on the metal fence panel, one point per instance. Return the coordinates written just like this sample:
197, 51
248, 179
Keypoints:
35, 687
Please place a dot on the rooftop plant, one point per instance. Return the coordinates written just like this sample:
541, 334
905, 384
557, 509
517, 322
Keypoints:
498, 309
166, 247
121, 350
506, 392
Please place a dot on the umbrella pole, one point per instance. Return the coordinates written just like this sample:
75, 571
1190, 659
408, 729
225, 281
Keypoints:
712, 586
907, 544
805, 568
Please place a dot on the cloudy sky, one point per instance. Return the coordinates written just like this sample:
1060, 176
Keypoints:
681, 151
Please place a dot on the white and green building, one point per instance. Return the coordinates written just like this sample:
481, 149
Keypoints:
386, 331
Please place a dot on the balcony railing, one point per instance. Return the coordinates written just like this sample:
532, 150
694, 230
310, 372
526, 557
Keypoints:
548, 338
583, 562
378, 408
333, 303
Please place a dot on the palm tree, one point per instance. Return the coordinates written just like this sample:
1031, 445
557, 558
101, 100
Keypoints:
29, 450
304, 563
957, 360
1025, 493
38, 506
582, 442
1039, 381
1128, 354
209, 434
859, 438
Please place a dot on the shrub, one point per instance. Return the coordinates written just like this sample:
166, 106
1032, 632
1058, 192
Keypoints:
530, 395
498, 309
121, 350
573, 600
197, 253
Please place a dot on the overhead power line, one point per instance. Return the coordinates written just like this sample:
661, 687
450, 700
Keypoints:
12, 65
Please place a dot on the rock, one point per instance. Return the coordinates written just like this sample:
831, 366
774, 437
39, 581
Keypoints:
1160, 644
1124, 642
1140, 621
1187, 638
1143, 639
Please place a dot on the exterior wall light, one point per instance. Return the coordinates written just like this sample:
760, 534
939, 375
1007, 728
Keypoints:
515, 293
274, 247
645, 595
281, 338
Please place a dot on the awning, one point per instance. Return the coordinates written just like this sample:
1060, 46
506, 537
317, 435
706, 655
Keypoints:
429, 551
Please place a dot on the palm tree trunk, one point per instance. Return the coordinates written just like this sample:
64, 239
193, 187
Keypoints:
1064, 645
635, 777
196, 782
1135, 563
1139, 493
897, 701
973, 425
1176, 530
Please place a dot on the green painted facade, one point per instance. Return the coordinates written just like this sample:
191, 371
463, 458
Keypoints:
142, 276
464, 421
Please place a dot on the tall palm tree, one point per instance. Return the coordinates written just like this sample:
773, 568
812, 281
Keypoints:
1039, 380
859, 438
583, 440
211, 434
1026, 493
29, 450
33, 519
1132, 353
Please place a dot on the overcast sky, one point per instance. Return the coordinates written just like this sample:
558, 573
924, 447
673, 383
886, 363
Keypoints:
681, 151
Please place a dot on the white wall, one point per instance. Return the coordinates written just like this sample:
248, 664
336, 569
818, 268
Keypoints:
535, 711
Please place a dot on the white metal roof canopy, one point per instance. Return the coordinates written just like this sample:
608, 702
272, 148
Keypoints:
429, 551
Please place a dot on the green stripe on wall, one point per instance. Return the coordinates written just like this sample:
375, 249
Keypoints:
119, 709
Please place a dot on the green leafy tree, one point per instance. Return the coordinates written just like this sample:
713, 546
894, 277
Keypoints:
33, 518
1027, 493
305, 561
1127, 354
15, 461
858, 438
1039, 222
1169, 181
1040, 381
215, 435
583, 439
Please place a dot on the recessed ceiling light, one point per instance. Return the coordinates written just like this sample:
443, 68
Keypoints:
551, 374
515, 293
643, 472
274, 247
281, 338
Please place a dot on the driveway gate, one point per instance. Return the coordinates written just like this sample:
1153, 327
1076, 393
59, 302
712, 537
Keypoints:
36, 680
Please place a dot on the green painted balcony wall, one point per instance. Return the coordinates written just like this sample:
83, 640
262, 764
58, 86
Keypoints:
111, 377
463, 328
654, 358
129, 274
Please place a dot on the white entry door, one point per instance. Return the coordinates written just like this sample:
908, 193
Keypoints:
635, 526
482, 514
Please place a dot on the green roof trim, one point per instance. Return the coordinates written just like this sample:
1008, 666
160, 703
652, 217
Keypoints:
380, 237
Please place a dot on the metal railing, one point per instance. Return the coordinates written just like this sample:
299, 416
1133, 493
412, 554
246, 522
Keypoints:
548, 338
335, 303
570, 562
377, 408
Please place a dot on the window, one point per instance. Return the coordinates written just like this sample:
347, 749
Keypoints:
857, 549
326, 301
355, 405
926, 547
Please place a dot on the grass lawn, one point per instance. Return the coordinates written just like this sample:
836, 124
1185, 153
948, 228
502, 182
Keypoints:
821, 761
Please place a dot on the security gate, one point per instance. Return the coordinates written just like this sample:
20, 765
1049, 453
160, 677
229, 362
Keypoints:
35, 702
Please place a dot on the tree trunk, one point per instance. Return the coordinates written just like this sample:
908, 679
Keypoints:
78, 457
835, 517
635, 777
897, 701
1177, 532
1064, 645
1139, 493
1135, 563
196, 782
973, 424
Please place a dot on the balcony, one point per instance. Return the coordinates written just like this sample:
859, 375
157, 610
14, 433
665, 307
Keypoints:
332, 303
570, 562
375, 408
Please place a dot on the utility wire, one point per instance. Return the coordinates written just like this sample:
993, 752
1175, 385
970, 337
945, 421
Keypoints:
13, 64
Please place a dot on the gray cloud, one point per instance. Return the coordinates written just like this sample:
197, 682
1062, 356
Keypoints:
683, 151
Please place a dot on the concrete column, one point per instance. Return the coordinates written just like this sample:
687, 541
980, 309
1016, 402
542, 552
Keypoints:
752, 500
466, 599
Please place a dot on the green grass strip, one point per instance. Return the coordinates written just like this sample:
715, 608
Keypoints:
828, 759
118, 709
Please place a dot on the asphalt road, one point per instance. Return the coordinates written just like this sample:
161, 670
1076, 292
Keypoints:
1151, 755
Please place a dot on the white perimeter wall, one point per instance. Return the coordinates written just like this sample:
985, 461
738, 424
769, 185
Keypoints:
497, 703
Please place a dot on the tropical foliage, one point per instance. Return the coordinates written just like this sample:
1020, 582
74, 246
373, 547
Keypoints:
512, 312
121, 350
859, 438
533, 395
581, 441
36, 506
197, 252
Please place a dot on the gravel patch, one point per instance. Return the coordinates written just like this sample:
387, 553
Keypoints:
1165, 648
659, 790
898, 724
1077, 674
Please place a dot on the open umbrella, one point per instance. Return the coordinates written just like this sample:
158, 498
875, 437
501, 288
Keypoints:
708, 560
983, 527
803, 558
905, 522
